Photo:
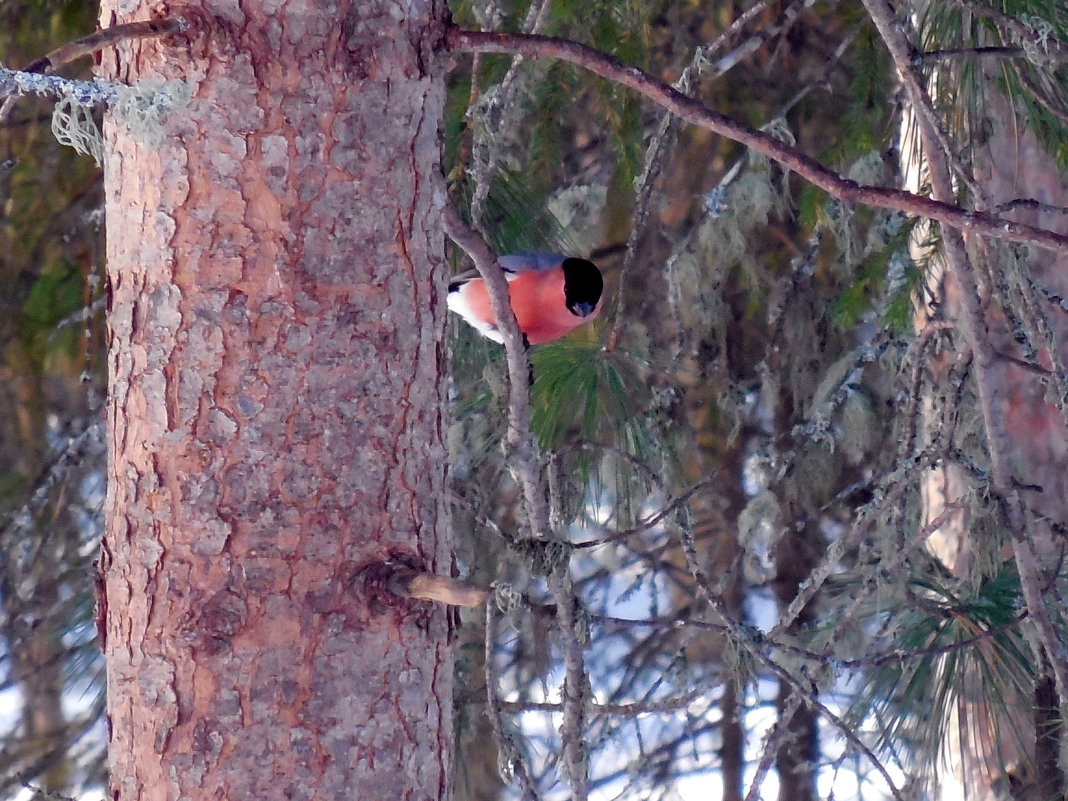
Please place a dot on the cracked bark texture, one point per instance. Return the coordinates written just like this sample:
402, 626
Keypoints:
276, 398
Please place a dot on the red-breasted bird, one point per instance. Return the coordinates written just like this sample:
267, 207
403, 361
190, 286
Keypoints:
550, 294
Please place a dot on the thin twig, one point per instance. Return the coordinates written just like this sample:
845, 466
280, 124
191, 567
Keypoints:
923, 107
1050, 45
892, 568
87, 45
498, 114
890, 489
662, 140
654, 519
772, 739
88, 440
967, 53
1030, 204
1040, 96
631, 710
510, 758
916, 352
808, 694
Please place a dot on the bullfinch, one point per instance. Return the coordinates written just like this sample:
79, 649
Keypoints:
550, 294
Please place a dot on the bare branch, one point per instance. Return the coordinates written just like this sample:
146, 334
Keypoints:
498, 115
1040, 96
968, 53
90, 44
409, 583
87, 45
631, 710
808, 168
1048, 44
1031, 204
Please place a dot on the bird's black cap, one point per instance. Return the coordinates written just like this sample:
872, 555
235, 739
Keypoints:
583, 286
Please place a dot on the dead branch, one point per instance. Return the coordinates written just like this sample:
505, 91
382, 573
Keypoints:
694, 112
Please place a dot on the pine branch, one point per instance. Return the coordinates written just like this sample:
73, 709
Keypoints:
969, 53
977, 336
1050, 46
528, 473
694, 112
519, 438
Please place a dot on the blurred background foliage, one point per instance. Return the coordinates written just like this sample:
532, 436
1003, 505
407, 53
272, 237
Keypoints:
753, 405
51, 438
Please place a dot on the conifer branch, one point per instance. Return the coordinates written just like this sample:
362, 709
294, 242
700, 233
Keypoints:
1050, 45
977, 336
528, 474
696, 113
520, 439
969, 53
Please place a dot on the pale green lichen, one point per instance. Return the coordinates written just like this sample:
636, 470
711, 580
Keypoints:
141, 108
144, 106
73, 125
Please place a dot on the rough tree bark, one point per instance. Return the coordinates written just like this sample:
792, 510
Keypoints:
276, 401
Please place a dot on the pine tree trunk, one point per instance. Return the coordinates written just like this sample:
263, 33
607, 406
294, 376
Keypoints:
276, 399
